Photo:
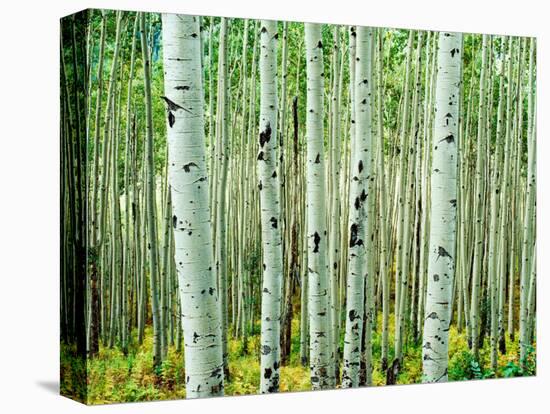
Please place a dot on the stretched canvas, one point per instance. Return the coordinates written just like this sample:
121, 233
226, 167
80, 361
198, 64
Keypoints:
252, 206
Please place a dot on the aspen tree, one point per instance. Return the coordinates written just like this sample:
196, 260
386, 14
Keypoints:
382, 200
239, 331
151, 198
288, 220
103, 187
441, 263
415, 196
127, 168
269, 202
479, 208
222, 131
116, 236
103, 184
505, 195
365, 111
165, 267
97, 132
400, 196
408, 154
424, 222
94, 316
516, 216
528, 249
360, 168
335, 157
200, 309
494, 209
140, 249
250, 194
316, 213
304, 272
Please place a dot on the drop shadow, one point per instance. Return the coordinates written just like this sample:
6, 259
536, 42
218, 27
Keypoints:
50, 386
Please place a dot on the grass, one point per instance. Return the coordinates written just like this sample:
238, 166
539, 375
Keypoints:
115, 377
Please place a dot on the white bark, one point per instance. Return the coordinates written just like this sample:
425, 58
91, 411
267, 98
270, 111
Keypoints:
400, 197
479, 209
361, 164
334, 241
270, 217
222, 166
150, 189
191, 214
316, 212
495, 212
441, 262
528, 266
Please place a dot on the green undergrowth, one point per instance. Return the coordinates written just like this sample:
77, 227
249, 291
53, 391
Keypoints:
115, 377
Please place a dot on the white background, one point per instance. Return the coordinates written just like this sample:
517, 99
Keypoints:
29, 163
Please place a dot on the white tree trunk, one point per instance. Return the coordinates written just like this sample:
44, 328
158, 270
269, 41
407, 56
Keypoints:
222, 166
495, 212
270, 217
316, 213
479, 208
528, 265
334, 172
441, 262
150, 189
360, 169
191, 214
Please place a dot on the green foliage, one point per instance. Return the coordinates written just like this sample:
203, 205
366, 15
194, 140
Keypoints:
73, 373
463, 366
514, 369
252, 259
114, 377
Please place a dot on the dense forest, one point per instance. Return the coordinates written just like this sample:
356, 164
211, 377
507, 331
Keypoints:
256, 206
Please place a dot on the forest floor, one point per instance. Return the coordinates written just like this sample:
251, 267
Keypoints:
113, 377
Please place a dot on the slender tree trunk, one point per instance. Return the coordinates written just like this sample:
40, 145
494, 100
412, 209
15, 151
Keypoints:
189, 189
127, 168
383, 207
116, 236
316, 214
528, 266
150, 199
270, 205
334, 240
165, 270
495, 213
475, 309
97, 132
358, 220
441, 264
223, 157
401, 191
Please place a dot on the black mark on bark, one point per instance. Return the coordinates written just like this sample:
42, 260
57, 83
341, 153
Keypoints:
265, 135
448, 139
353, 240
187, 167
316, 241
171, 119
441, 252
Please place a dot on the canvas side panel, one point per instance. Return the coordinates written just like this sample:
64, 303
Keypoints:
73, 205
